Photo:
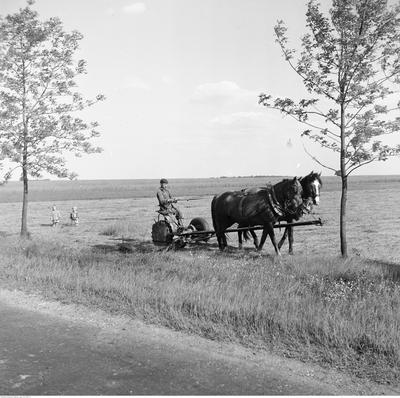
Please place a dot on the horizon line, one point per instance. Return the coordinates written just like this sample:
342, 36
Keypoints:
192, 178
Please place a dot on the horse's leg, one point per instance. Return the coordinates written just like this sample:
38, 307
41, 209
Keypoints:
270, 229
263, 237
291, 240
220, 242
240, 239
255, 238
282, 241
225, 244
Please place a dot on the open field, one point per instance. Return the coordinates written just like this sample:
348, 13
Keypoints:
312, 306
373, 212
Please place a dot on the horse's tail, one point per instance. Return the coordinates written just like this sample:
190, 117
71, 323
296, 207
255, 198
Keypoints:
246, 235
213, 213
215, 221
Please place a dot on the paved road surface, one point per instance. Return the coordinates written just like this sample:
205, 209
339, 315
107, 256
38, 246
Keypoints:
41, 353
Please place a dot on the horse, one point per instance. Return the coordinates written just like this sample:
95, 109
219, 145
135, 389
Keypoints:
311, 185
259, 206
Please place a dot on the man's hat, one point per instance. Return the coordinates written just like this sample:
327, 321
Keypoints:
163, 181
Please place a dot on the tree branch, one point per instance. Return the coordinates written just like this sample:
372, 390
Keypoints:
351, 169
287, 58
305, 122
316, 160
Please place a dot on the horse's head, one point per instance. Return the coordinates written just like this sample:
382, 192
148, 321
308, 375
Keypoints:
293, 195
311, 189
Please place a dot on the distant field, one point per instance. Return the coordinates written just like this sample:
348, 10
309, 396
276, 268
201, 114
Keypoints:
42, 191
373, 211
128, 207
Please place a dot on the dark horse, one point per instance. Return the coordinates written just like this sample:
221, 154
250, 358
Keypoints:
259, 206
311, 185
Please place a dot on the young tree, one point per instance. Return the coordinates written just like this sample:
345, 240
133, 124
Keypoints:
350, 61
38, 98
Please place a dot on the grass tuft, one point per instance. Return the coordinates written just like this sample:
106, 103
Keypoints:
110, 230
120, 228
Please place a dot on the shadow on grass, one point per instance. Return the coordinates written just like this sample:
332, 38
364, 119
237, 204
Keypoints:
128, 246
391, 269
69, 225
201, 246
133, 245
232, 252
60, 225
105, 248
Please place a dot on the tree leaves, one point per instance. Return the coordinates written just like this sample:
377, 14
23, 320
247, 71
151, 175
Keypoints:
352, 59
37, 101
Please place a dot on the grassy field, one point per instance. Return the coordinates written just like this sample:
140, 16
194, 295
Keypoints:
313, 306
372, 212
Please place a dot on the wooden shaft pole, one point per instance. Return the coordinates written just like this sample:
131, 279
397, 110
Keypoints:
258, 227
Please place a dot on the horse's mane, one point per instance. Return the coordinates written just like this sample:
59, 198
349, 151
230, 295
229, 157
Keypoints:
310, 177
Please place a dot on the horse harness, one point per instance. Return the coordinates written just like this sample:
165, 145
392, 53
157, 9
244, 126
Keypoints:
274, 206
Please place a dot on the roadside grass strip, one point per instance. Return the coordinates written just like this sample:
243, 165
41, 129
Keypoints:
340, 313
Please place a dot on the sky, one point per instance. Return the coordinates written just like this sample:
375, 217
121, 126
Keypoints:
182, 79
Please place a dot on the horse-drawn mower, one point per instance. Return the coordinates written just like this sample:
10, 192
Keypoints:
166, 232
256, 209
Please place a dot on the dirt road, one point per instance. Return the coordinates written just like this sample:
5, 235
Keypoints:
55, 349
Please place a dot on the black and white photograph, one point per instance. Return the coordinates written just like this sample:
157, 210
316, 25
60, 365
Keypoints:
199, 197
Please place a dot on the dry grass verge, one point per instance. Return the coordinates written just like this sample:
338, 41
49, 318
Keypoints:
326, 310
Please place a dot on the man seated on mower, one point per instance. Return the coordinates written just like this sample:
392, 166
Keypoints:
166, 203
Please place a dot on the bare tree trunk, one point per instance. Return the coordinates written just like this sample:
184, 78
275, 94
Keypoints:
24, 217
343, 200
24, 223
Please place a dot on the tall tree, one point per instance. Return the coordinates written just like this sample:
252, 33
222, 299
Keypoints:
350, 61
39, 107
